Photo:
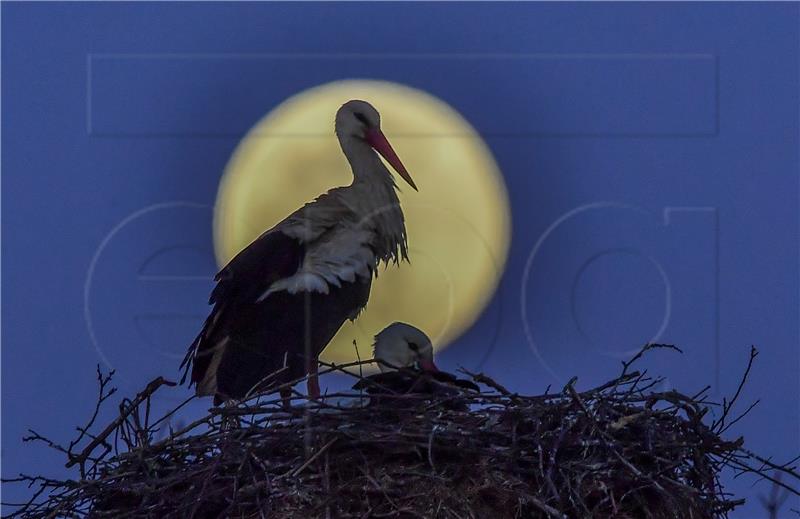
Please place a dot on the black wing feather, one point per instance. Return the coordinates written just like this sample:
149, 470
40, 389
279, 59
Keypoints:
272, 256
407, 380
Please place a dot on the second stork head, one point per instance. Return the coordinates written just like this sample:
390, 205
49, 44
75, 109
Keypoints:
401, 345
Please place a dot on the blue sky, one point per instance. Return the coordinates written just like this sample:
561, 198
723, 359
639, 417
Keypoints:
650, 152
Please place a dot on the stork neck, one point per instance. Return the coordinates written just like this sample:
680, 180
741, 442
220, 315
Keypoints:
372, 196
364, 162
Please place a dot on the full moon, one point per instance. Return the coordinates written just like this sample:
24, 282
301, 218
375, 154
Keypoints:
458, 223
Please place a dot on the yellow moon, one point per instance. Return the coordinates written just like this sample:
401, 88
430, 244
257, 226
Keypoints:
458, 223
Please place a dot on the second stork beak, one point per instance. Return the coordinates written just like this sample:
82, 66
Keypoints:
427, 365
377, 140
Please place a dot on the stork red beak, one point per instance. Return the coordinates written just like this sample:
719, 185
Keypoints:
376, 139
427, 365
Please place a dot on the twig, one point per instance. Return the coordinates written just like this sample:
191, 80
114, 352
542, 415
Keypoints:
100, 438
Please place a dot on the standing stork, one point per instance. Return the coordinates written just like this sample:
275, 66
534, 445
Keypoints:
280, 301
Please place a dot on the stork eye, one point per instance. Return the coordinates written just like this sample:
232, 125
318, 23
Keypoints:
413, 346
362, 118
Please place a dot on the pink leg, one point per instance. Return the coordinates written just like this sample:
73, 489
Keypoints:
313, 379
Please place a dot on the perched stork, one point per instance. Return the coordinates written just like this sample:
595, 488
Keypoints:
405, 356
280, 301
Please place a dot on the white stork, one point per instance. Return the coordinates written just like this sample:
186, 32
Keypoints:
280, 301
405, 357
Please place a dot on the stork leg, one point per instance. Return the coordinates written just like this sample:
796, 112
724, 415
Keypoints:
286, 395
312, 368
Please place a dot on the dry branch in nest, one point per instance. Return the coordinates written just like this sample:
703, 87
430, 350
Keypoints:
623, 449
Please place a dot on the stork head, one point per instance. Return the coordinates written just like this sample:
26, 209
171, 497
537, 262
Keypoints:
359, 120
403, 345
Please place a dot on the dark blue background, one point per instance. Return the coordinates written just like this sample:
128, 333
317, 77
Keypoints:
650, 151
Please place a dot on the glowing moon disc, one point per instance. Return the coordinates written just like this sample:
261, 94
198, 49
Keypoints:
458, 223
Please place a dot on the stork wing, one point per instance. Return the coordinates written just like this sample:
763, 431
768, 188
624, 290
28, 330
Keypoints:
448, 378
396, 381
341, 254
407, 380
271, 257
279, 253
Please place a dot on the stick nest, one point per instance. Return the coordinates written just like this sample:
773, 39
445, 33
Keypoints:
623, 449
